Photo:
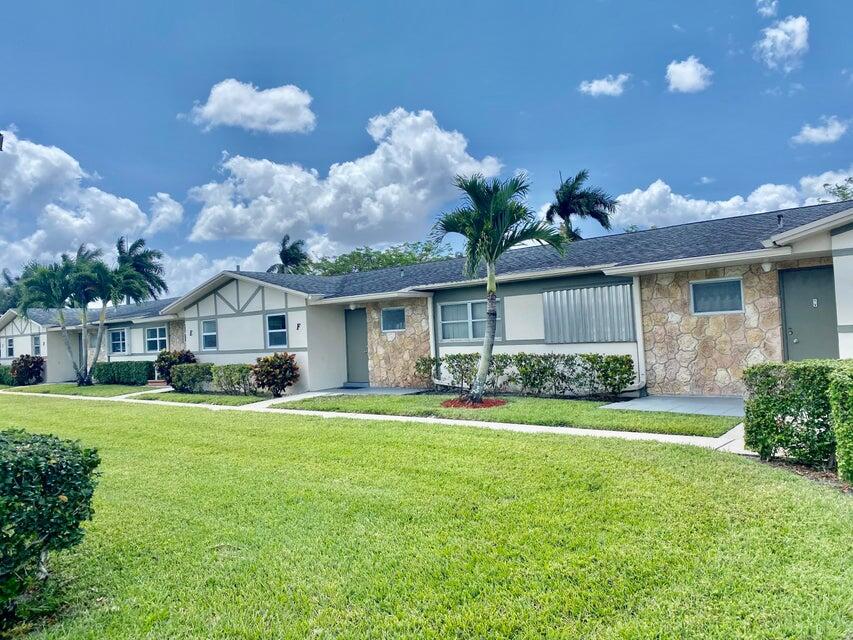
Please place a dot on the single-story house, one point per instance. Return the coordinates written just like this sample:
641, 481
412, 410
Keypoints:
693, 304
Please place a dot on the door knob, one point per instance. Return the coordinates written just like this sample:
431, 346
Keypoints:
796, 340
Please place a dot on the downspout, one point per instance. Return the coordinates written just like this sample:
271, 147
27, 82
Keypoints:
638, 333
433, 338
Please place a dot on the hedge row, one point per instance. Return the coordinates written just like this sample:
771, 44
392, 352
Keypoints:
275, 373
538, 374
133, 372
841, 401
789, 408
6, 378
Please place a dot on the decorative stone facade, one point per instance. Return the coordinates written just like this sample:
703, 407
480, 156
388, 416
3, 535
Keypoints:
706, 355
177, 335
391, 356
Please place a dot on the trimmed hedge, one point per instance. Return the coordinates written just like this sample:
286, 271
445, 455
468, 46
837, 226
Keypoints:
234, 379
46, 488
6, 378
168, 359
841, 401
788, 408
134, 372
538, 374
192, 378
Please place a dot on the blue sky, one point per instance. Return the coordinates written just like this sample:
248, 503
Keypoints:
97, 104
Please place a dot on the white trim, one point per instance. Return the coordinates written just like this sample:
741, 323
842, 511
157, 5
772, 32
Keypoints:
513, 277
214, 333
371, 297
823, 224
681, 264
638, 333
10, 347
145, 337
110, 341
382, 319
470, 321
285, 331
737, 279
35, 344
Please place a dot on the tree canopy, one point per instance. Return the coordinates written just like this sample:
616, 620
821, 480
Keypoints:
368, 259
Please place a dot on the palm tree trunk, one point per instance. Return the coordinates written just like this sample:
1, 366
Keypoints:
479, 385
102, 320
84, 356
67, 340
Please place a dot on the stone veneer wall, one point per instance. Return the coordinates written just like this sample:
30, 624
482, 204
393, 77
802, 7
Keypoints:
706, 355
391, 356
177, 335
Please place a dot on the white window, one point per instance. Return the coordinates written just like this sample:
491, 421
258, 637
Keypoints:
277, 330
155, 339
10, 347
724, 295
465, 320
209, 335
118, 341
36, 345
393, 319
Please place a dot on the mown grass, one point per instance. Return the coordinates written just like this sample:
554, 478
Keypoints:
71, 389
232, 525
521, 410
203, 398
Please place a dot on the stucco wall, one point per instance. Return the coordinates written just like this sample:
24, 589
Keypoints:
706, 354
842, 266
391, 356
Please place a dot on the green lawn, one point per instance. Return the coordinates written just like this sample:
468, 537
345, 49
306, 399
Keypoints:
233, 525
71, 389
203, 398
546, 411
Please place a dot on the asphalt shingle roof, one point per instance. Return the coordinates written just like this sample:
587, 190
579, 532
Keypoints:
147, 309
691, 240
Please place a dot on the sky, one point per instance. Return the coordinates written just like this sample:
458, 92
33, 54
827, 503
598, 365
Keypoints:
212, 128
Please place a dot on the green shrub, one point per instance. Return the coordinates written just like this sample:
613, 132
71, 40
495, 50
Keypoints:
46, 487
27, 369
234, 379
192, 378
787, 408
135, 372
426, 368
6, 378
538, 374
276, 372
841, 401
168, 359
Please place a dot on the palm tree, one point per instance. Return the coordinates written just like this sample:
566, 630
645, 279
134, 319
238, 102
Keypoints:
572, 199
146, 262
10, 291
292, 257
493, 219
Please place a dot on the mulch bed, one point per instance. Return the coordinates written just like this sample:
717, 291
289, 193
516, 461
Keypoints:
815, 475
462, 403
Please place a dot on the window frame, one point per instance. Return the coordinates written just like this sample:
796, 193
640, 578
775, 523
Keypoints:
268, 331
470, 321
36, 344
158, 338
10, 347
124, 350
737, 279
382, 319
214, 333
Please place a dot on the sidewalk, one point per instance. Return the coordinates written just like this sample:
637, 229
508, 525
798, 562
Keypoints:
731, 441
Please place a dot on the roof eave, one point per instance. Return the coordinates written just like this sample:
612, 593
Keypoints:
516, 276
681, 264
823, 224
371, 297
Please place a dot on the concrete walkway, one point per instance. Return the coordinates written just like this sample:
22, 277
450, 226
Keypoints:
731, 441
700, 405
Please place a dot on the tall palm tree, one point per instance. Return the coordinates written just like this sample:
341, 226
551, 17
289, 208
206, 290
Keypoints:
10, 291
144, 261
573, 199
292, 257
493, 219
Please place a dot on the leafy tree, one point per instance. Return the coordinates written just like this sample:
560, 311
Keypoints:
292, 257
10, 291
494, 218
572, 199
367, 259
841, 190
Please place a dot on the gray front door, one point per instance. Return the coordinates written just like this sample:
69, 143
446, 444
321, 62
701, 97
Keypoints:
809, 323
356, 321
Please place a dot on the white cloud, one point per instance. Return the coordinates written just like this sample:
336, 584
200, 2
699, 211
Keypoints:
678, 27
688, 76
830, 131
165, 213
659, 205
47, 208
706, 180
386, 195
285, 109
767, 8
607, 86
784, 43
